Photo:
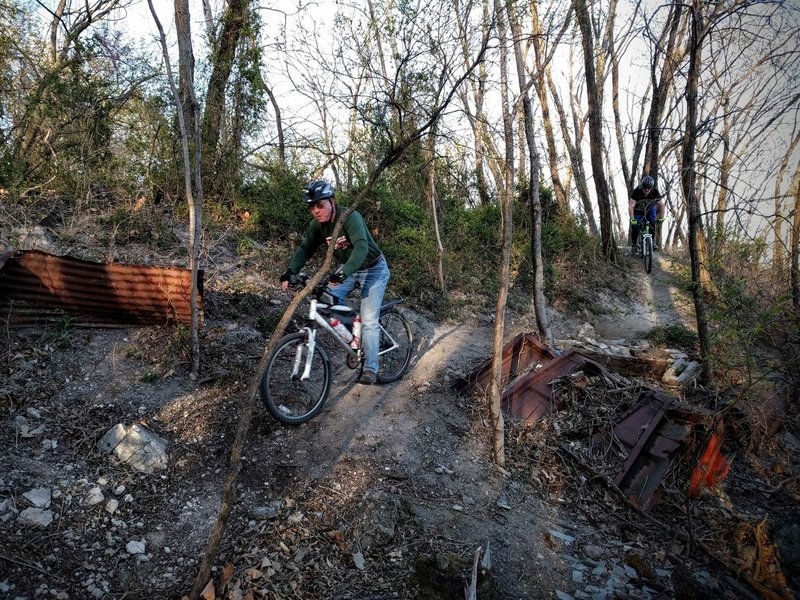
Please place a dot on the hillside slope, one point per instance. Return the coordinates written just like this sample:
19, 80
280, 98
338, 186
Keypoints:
388, 493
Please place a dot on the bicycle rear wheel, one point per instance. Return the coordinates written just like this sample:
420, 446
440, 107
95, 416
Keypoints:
396, 346
288, 398
648, 253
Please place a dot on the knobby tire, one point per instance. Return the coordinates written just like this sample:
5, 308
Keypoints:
290, 400
393, 365
648, 254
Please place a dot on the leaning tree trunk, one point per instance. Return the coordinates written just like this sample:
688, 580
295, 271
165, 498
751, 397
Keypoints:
689, 189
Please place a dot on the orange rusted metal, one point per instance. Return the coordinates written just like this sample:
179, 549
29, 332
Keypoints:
712, 467
37, 287
653, 433
530, 397
656, 431
520, 353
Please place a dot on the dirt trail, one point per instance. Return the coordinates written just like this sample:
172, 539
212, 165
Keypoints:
658, 302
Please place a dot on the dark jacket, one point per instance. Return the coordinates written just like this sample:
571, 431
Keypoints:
643, 201
356, 251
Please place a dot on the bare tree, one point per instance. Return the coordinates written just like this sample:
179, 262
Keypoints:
532, 189
594, 97
194, 198
506, 192
395, 149
698, 30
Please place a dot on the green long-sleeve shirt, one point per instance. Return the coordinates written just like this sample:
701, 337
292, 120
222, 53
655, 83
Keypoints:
360, 249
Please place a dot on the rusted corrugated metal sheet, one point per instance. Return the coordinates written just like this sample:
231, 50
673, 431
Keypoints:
37, 287
525, 350
530, 397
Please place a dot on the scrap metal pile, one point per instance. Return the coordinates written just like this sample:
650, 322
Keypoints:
574, 421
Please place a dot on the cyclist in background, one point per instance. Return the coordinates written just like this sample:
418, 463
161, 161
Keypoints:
362, 263
645, 197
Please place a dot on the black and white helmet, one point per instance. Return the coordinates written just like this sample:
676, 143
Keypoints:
647, 182
317, 190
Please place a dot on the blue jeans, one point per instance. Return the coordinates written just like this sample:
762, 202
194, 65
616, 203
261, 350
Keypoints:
640, 219
373, 284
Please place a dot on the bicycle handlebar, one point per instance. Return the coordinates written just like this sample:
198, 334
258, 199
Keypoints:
299, 281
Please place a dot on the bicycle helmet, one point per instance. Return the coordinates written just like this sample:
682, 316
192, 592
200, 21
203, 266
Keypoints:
647, 182
317, 190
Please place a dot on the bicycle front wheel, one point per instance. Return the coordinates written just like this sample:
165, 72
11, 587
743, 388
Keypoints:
289, 397
648, 254
394, 354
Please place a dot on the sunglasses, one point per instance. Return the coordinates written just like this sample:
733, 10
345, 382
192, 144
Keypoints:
316, 205
646, 189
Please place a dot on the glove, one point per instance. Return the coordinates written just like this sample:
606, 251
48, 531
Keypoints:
337, 277
287, 275
660, 219
634, 221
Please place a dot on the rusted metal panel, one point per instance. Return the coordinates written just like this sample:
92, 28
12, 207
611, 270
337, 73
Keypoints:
530, 397
713, 466
38, 287
656, 431
524, 351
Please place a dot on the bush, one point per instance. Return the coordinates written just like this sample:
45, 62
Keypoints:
274, 201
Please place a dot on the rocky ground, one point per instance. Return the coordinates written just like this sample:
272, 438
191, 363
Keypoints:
388, 493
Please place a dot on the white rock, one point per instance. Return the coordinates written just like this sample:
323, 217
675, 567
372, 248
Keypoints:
36, 516
135, 547
39, 497
95, 496
32, 412
112, 506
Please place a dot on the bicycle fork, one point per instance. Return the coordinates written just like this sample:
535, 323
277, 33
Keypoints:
299, 363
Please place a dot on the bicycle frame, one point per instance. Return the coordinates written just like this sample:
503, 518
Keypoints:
311, 333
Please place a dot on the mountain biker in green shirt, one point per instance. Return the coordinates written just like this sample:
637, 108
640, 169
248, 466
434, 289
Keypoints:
362, 263
644, 199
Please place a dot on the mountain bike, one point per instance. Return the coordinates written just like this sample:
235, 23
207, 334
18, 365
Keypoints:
298, 377
646, 245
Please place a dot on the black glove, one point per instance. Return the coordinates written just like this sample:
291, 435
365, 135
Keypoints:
337, 277
287, 275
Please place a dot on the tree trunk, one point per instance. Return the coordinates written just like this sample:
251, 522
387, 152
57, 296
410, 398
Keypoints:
506, 192
594, 99
233, 23
660, 87
185, 65
434, 204
689, 189
534, 199
778, 251
794, 248
541, 59
575, 158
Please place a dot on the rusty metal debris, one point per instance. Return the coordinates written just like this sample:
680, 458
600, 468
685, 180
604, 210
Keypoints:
36, 287
522, 352
652, 433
